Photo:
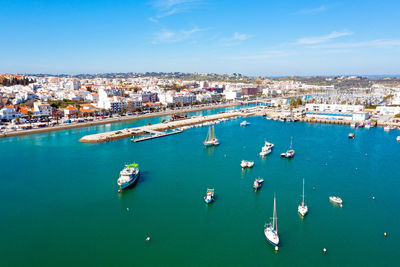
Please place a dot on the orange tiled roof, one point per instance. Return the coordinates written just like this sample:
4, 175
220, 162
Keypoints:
23, 110
71, 108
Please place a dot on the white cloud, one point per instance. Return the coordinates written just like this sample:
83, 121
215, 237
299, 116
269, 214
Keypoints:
167, 8
153, 20
372, 43
323, 38
310, 11
240, 36
167, 36
236, 39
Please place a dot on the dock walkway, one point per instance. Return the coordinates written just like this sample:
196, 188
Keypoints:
131, 132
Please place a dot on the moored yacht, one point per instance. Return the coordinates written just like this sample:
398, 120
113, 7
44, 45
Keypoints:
336, 200
351, 135
246, 164
244, 123
271, 229
209, 196
398, 138
289, 153
211, 140
266, 149
303, 209
388, 128
257, 183
128, 176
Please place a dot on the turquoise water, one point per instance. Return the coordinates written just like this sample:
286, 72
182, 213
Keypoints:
60, 206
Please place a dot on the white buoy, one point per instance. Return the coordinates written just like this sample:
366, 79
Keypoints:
385, 234
276, 248
341, 205
373, 198
148, 239
324, 250
127, 209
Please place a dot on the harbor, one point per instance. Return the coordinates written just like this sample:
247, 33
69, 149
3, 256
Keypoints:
176, 173
157, 128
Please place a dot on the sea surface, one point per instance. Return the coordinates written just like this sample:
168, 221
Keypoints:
59, 204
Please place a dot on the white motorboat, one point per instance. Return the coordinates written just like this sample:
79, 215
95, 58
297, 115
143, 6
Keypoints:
387, 128
263, 153
209, 196
336, 200
246, 164
398, 138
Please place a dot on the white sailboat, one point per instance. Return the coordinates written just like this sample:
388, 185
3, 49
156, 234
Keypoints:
303, 209
211, 140
289, 153
244, 123
271, 229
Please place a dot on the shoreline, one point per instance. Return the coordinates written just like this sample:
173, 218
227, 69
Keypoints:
112, 120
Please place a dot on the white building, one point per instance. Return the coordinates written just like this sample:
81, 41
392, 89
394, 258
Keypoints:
386, 110
8, 113
334, 108
336, 112
232, 95
176, 98
42, 109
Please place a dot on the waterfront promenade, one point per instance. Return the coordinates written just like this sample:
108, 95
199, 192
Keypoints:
112, 120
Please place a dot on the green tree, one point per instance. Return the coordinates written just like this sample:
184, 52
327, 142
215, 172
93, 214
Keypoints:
30, 115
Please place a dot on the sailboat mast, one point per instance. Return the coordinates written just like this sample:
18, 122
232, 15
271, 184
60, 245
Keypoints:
275, 221
303, 194
213, 132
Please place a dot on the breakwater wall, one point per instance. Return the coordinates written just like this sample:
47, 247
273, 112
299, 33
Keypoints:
130, 132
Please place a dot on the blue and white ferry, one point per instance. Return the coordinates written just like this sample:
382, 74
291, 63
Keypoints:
128, 176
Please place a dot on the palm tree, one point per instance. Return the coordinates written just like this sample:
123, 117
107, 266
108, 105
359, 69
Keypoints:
78, 107
30, 115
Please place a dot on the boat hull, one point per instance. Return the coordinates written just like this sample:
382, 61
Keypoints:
208, 201
271, 236
131, 182
302, 211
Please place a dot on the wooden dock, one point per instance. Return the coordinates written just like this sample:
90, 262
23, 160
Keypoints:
155, 134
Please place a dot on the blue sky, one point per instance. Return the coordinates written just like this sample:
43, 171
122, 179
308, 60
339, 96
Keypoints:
253, 37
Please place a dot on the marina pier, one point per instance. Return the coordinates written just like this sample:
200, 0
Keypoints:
156, 129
